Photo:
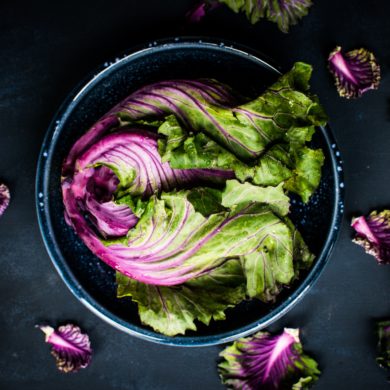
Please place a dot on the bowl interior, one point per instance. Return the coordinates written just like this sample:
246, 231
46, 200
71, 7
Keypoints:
88, 277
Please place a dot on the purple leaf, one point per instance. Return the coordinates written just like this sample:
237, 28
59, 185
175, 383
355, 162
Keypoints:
266, 361
383, 331
4, 198
355, 72
71, 348
199, 11
287, 13
373, 234
284, 13
135, 170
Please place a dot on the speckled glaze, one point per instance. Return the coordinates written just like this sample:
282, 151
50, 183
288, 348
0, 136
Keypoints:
92, 281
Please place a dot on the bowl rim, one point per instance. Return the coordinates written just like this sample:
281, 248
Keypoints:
59, 262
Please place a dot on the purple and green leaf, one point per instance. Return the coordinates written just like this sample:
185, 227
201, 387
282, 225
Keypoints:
287, 13
373, 234
355, 72
112, 182
284, 13
4, 198
174, 310
383, 331
70, 347
209, 107
266, 361
272, 253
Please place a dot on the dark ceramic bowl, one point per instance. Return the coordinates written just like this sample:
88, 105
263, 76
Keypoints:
92, 281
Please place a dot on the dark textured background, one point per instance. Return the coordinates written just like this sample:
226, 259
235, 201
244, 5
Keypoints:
48, 47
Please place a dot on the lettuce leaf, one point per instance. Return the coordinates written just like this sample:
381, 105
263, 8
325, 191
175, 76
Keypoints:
245, 130
173, 310
296, 166
173, 243
270, 266
302, 256
306, 165
237, 193
260, 274
285, 118
206, 200
282, 255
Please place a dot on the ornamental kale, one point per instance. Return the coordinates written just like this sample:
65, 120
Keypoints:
184, 183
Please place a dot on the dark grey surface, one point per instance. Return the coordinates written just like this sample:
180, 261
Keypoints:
47, 48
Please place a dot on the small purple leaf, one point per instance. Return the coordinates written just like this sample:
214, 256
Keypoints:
4, 198
373, 234
71, 348
355, 72
197, 13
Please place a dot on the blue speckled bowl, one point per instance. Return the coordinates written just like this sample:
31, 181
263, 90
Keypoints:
93, 282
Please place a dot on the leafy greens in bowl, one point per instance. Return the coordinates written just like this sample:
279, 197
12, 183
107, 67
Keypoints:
182, 187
